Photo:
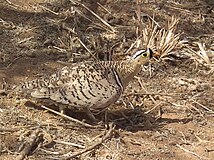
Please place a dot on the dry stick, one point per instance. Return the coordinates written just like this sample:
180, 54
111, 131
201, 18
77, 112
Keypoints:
160, 94
103, 8
105, 137
7, 24
127, 118
153, 108
96, 24
48, 152
195, 108
12, 4
141, 85
60, 49
202, 141
28, 145
47, 9
195, 154
13, 129
70, 144
104, 22
153, 20
87, 49
182, 10
69, 118
25, 40
201, 105
133, 44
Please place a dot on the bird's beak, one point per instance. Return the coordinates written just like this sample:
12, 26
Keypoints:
151, 53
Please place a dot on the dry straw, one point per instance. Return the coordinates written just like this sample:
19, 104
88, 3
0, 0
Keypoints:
162, 40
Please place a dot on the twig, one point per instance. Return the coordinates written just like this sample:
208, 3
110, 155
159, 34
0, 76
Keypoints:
160, 94
203, 141
59, 49
28, 145
195, 154
48, 152
104, 22
201, 57
153, 108
47, 9
98, 17
69, 118
195, 108
12, 129
70, 144
105, 137
153, 20
182, 10
127, 118
206, 108
12, 4
25, 39
7, 24
132, 45
141, 85
87, 49
104, 8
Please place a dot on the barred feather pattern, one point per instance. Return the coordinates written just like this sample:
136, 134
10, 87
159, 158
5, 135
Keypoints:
88, 84
80, 86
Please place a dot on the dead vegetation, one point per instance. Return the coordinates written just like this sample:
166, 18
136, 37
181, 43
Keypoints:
166, 113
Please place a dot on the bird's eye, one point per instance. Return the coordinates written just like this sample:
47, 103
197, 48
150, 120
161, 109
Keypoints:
145, 54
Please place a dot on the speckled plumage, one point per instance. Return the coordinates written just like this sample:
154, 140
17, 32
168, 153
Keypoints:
88, 84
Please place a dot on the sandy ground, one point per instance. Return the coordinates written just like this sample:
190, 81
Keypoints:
167, 112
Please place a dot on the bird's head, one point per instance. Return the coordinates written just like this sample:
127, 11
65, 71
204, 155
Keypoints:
143, 56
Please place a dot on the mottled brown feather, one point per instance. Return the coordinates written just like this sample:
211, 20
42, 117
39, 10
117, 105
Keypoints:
88, 84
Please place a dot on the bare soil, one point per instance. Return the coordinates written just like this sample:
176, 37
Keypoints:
167, 112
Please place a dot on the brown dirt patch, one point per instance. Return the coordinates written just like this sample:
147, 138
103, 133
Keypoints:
35, 35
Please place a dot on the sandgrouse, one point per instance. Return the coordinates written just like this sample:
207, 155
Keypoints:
89, 85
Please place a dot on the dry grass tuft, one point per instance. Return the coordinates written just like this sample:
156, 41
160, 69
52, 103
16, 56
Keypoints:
201, 55
161, 40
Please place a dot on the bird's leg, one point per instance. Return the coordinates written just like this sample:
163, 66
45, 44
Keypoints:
90, 114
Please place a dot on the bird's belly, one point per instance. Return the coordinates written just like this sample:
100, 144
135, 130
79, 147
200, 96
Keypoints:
94, 97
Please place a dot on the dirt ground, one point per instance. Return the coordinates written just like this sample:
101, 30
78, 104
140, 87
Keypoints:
167, 112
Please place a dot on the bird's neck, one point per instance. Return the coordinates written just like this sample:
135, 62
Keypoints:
127, 70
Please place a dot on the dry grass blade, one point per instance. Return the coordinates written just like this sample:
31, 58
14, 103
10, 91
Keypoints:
107, 135
188, 151
69, 118
163, 40
203, 53
94, 14
12, 4
200, 56
70, 144
5, 24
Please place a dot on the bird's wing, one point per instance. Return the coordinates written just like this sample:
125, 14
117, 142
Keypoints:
84, 85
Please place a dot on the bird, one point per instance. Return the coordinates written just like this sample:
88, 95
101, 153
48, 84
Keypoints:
88, 85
